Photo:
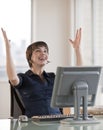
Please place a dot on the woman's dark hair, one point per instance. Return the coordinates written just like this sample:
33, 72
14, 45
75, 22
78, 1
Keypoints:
32, 47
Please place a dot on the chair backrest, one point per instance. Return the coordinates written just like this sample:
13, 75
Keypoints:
17, 106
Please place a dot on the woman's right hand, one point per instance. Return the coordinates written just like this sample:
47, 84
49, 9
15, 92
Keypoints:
6, 40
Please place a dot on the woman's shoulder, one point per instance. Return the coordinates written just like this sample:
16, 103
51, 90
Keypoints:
25, 74
50, 74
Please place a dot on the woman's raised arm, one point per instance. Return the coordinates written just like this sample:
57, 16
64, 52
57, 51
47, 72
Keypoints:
11, 72
76, 45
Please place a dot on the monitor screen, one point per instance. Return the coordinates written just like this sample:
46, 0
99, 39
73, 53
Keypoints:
72, 83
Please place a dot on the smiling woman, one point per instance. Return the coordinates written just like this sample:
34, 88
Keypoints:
35, 85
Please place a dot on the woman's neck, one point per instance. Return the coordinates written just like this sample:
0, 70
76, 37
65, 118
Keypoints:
37, 70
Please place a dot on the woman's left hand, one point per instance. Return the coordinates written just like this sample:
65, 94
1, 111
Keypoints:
77, 40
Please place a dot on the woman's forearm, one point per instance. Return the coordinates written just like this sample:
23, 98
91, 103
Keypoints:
10, 67
79, 61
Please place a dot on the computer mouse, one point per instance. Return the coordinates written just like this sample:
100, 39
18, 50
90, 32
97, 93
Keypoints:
23, 118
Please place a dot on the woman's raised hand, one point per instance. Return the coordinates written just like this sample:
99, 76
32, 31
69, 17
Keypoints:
77, 40
6, 40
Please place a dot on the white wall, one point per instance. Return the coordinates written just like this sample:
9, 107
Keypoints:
4, 100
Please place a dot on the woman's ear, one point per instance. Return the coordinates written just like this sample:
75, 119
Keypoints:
30, 61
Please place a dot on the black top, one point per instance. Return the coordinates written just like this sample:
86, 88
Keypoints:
36, 93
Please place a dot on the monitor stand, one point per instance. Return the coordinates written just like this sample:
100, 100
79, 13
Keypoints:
80, 91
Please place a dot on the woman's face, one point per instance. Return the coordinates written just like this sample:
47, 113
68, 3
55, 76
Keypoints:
39, 56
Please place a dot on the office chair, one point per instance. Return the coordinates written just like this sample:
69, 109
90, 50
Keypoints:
17, 106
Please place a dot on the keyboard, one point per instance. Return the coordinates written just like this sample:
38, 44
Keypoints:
54, 117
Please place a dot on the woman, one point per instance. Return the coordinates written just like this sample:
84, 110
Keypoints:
36, 85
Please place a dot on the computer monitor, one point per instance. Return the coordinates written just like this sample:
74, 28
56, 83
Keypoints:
76, 87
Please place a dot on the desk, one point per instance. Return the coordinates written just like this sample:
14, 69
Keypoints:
8, 124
